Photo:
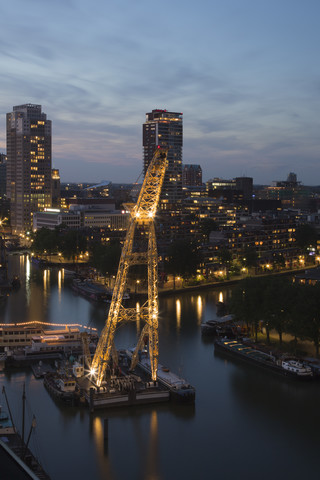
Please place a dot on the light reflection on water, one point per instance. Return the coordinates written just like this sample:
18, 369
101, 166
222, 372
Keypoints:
238, 408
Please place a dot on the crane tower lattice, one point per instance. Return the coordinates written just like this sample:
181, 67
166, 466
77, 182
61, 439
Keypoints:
142, 215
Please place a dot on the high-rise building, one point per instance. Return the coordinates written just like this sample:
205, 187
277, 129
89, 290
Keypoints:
3, 175
28, 164
245, 184
191, 175
55, 188
165, 129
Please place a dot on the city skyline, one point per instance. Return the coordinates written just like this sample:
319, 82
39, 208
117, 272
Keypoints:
245, 77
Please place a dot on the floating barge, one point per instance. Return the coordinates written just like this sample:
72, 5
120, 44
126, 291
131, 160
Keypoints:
122, 389
288, 367
180, 390
125, 391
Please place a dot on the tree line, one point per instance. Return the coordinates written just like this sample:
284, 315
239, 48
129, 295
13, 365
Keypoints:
278, 304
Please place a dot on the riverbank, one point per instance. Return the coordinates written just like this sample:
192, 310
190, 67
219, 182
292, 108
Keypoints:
232, 281
82, 267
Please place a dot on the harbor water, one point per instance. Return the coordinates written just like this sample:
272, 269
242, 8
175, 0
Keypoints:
245, 424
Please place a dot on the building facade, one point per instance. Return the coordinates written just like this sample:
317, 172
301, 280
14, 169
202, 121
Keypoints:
28, 164
165, 129
3, 175
55, 188
192, 175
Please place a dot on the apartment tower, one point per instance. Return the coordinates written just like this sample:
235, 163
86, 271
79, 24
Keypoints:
163, 128
28, 164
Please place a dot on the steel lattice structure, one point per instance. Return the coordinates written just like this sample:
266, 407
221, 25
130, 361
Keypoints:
142, 215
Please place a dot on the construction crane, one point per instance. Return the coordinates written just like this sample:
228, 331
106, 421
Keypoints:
142, 216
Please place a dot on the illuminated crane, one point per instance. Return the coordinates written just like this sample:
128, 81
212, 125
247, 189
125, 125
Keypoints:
142, 215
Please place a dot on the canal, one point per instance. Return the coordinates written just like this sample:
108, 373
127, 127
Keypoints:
245, 424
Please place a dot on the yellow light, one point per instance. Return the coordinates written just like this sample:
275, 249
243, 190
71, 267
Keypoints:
92, 371
36, 322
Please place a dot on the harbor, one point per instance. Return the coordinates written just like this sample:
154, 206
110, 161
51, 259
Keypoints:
231, 397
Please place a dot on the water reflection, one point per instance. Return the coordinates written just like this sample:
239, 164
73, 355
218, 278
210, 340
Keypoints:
59, 285
152, 466
138, 317
199, 309
25, 268
178, 313
100, 430
221, 297
46, 281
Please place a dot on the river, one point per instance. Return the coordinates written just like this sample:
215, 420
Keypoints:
245, 424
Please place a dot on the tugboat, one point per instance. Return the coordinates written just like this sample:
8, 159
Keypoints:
62, 387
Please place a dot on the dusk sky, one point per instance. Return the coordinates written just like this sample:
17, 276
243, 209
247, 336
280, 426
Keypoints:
244, 73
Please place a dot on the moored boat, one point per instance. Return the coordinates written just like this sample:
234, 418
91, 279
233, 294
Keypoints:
90, 290
62, 387
286, 367
223, 326
180, 389
20, 335
94, 291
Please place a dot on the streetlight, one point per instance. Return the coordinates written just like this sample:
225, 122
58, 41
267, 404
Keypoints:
136, 286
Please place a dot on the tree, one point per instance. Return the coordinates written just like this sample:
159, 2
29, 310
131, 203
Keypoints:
249, 257
208, 225
312, 307
277, 300
72, 243
105, 258
45, 240
247, 302
183, 258
306, 236
298, 315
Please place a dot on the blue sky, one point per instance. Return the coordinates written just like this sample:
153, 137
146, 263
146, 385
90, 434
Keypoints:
245, 74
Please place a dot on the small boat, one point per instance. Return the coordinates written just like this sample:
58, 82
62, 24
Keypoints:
62, 387
38, 261
223, 326
68, 273
94, 291
297, 367
90, 290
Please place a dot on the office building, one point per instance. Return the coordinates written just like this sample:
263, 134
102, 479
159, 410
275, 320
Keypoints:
3, 175
55, 188
165, 129
28, 164
192, 175
245, 184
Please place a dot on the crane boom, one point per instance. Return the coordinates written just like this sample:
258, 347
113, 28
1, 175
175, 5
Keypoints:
142, 215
